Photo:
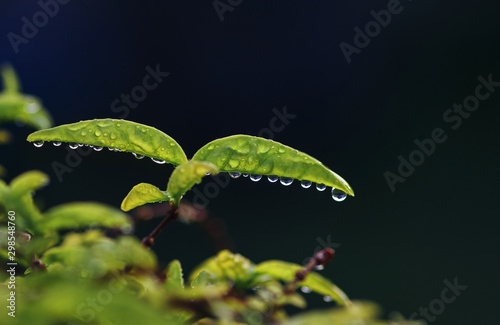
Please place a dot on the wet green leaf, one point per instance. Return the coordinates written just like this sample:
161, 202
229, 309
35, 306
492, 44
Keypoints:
185, 176
286, 272
141, 194
84, 214
124, 135
254, 155
226, 266
19, 108
174, 280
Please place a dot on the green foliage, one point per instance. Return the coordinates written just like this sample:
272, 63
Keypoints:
126, 136
254, 155
20, 108
186, 176
141, 194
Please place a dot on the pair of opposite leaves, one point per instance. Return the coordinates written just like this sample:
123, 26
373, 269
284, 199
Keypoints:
234, 154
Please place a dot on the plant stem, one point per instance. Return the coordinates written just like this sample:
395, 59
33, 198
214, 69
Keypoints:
172, 214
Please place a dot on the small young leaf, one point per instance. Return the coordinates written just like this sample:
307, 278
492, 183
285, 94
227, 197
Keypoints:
201, 280
84, 214
254, 155
185, 176
10, 80
28, 181
141, 194
120, 134
19, 108
174, 279
286, 272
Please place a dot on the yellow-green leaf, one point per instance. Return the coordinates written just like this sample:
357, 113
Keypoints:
254, 155
127, 136
174, 280
286, 272
185, 176
141, 194
84, 214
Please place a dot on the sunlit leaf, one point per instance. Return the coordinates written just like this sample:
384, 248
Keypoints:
254, 155
226, 266
286, 272
84, 214
174, 280
185, 176
123, 135
28, 181
141, 194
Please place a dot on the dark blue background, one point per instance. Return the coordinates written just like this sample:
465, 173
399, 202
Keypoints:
226, 77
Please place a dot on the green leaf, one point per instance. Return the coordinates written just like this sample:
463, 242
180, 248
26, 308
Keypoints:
141, 194
84, 214
124, 135
20, 108
174, 279
226, 266
201, 280
254, 155
357, 313
10, 80
185, 176
286, 272
28, 182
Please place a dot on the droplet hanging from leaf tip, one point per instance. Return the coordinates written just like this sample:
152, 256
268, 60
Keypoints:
97, 148
305, 289
305, 184
137, 156
73, 145
158, 161
255, 178
56, 143
272, 178
235, 175
244, 175
321, 187
38, 144
286, 181
338, 195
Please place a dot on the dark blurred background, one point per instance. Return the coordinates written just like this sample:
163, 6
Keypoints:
393, 247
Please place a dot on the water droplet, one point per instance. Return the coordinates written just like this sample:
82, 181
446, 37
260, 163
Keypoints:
234, 175
234, 163
83, 133
158, 161
117, 150
255, 178
327, 298
320, 267
97, 133
112, 136
321, 187
97, 148
286, 181
305, 289
306, 184
73, 145
111, 149
38, 144
80, 144
57, 143
338, 195
137, 155
244, 175
208, 174
272, 178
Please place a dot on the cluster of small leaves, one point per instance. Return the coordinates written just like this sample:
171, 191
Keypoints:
100, 276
